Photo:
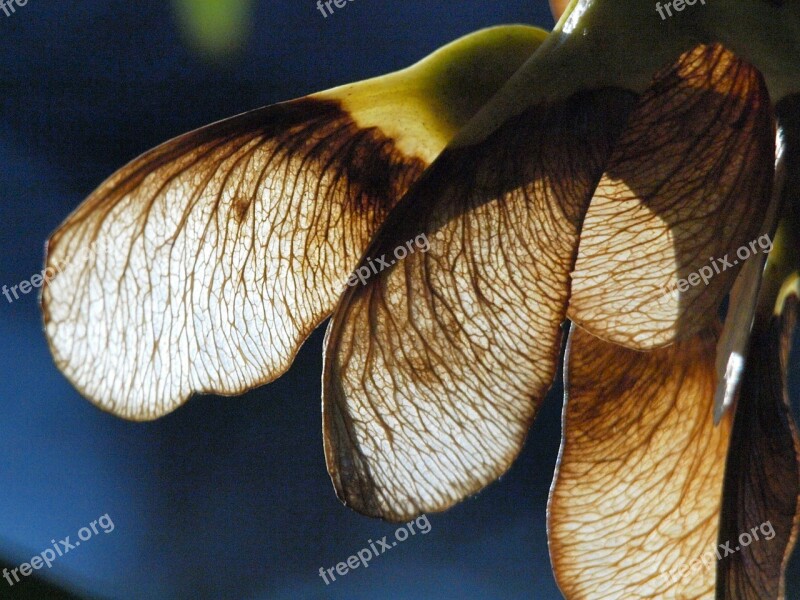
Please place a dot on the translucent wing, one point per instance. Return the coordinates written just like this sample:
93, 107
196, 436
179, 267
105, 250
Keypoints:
203, 265
688, 185
634, 507
435, 368
761, 513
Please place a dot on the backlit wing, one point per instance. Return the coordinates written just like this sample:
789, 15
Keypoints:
687, 186
634, 508
203, 265
761, 512
435, 368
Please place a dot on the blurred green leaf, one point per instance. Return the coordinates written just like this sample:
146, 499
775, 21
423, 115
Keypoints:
215, 28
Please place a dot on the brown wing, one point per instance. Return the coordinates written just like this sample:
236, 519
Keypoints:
688, 185
435, 368
634, 507
204, 264
761, 513
206, 268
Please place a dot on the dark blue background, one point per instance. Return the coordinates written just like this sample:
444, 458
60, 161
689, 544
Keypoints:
226, 498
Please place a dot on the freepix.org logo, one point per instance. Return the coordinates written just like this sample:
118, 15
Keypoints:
48, 556
321, 6
678, 5
9, 6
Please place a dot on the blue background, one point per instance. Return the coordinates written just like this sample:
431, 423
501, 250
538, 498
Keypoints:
225, 497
